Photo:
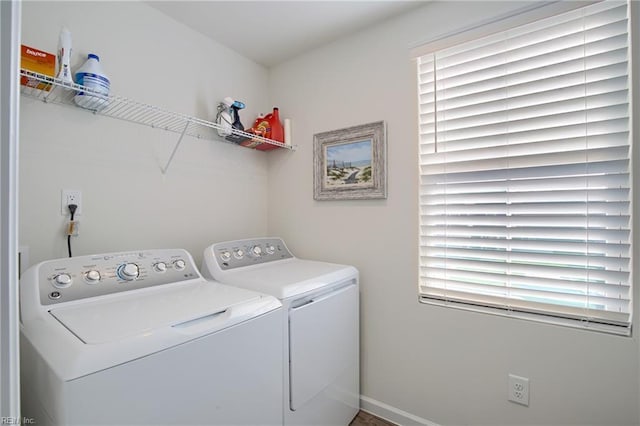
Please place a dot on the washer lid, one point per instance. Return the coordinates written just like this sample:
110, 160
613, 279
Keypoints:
141, 313
288, 277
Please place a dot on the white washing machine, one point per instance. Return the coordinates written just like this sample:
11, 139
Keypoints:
320, 324
142, 338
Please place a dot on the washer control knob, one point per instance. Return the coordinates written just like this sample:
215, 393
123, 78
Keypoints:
270, 249
160, 267
92, 276
62, 280
128, 271
179, 264
238, 253
256, 250
225, 256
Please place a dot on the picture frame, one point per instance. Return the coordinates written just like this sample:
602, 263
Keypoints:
351, 163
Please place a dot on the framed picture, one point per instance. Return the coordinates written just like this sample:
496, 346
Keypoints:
351, 163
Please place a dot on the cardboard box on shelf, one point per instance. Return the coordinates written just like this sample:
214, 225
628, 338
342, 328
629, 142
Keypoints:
36, 60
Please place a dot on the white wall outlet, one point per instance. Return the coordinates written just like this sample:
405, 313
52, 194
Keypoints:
70, 196
518, 390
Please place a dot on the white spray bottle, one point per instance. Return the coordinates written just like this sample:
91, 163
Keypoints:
224, 119
64, 56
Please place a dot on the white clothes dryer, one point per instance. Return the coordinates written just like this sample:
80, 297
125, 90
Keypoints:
142, 338
320, 324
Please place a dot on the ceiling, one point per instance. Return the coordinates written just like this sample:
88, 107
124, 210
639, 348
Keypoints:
271, 32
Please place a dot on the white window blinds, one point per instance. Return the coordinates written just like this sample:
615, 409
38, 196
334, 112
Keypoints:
525, 171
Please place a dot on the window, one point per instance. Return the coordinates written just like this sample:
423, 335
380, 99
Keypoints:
525, 171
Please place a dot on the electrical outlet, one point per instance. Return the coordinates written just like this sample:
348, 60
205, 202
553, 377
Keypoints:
519, 390
70, 196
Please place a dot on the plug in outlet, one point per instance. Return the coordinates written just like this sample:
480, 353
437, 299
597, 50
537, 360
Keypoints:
70, 196
519, 390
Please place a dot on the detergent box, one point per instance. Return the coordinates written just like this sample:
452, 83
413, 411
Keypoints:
35, 60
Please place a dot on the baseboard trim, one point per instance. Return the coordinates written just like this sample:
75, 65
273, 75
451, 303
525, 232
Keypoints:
392, 414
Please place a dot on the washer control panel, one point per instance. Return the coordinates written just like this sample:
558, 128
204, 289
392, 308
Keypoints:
64, 280
241, 253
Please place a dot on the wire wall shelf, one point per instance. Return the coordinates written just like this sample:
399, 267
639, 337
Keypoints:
56, 91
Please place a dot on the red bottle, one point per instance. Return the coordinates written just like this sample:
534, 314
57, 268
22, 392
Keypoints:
277, 130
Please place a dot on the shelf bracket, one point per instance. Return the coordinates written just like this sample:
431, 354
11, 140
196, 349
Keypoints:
175, 148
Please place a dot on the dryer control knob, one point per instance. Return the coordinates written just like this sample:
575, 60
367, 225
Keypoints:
238, 254
92, 276
256, 250
128, 271
160, 267
225, 256
62, 280
179, 264
270, 249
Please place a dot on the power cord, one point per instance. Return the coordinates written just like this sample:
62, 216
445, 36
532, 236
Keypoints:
72, 210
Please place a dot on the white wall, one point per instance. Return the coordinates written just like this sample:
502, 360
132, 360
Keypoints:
212, 192
443, 365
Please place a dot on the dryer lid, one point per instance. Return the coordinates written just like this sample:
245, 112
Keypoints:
140, 314
287, 278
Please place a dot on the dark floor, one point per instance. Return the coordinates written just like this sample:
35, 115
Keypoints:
366, 419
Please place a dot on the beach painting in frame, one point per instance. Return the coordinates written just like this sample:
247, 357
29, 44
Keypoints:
350, 163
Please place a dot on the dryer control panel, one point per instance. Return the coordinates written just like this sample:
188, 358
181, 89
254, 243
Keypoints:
241, 253
68, 279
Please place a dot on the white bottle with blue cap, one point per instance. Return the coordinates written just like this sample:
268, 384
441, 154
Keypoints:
92, 76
